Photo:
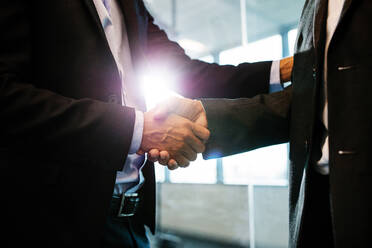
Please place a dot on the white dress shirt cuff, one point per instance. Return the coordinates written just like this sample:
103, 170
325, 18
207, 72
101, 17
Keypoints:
275, 77
137, 133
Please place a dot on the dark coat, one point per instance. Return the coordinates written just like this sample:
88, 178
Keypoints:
294, 115
64, 133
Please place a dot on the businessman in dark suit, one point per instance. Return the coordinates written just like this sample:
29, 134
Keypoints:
73, 121
325, 115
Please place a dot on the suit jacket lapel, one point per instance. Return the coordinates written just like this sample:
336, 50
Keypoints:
93, 12
346, 7
133, 21
132, 18
319, 23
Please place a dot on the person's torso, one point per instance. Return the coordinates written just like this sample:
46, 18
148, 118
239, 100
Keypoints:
349, 115
61, 47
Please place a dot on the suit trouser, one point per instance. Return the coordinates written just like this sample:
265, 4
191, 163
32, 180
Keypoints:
124, 232
316, 228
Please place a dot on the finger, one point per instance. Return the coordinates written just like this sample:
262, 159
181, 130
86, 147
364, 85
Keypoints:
153, 155
201, 132
164, 157
195, 144
188, 152
173, 166
201, 119
172, 162
181, 160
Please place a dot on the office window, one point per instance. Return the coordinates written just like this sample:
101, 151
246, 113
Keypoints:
292, 35
199, 171
208, 59
266, 165
159, 173
162, 10
254, 51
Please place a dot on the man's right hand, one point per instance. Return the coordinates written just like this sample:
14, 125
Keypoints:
180, 137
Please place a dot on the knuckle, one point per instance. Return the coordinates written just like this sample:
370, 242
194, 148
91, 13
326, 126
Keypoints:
193, 157
183, 162
201, 149
162, 162
183, 147
207, 134
187, 134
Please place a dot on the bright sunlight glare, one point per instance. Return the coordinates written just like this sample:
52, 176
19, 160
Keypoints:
156, 88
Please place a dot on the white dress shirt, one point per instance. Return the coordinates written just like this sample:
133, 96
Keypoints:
130, 178
334, 11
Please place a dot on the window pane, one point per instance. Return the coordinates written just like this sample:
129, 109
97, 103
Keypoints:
292, 35
161, 10
255, 51
262, 166
208, 58
199, 171
159, 173
202, 27
266, 18
212, 23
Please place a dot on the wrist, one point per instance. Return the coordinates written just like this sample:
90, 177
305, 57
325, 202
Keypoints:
137, 132
142, 148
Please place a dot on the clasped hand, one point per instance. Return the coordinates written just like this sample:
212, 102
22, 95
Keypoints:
174, 132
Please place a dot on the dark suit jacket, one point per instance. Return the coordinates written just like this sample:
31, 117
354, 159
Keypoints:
294, 114
64, 133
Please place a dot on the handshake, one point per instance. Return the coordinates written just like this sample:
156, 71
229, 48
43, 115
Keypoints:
174, 132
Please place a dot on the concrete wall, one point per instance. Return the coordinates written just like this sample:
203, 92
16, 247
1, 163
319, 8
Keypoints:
221, 212
271, 216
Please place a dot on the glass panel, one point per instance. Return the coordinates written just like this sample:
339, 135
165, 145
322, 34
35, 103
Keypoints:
266, 18
263, 166
208, 59
199, 171
159, 173
161, 10
267, 165
208, 26
255, 51
292, 35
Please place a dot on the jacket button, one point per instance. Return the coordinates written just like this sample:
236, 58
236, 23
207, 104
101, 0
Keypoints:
113, 98
306, 143
314, 72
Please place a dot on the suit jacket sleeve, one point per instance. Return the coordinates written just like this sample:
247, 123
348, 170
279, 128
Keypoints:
196, 79
44, 124
245, 124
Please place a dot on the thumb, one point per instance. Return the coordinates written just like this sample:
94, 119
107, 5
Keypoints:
201, 132
161, 112
165, 108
